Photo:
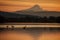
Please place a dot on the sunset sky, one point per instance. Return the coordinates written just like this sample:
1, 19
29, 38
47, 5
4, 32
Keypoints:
14, 5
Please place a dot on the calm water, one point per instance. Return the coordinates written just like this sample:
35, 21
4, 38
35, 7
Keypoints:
30, 34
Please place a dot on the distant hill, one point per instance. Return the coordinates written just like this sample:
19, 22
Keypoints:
13, 15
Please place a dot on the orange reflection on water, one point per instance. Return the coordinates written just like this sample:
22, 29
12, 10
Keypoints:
15, 36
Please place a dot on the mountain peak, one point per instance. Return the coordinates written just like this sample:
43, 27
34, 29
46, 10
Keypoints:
36, 8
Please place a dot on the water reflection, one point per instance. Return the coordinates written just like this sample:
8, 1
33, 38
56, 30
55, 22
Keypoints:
36, 33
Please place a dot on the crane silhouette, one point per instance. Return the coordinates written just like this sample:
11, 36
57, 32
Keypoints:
24, 27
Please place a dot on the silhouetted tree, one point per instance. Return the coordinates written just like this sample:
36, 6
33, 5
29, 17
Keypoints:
58, 19
2, 19
52, 19
44, 20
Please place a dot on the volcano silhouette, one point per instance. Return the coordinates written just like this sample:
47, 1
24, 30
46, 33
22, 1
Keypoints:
38, 11
35, 8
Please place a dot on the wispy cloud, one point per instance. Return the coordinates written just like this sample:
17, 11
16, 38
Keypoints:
37, 1
14, 3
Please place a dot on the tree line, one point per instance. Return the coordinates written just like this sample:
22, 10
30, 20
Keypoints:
33, 19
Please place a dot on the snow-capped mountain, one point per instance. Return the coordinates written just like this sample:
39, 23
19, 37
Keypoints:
35, 8
38, 11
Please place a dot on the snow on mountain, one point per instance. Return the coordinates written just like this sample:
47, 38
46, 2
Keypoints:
35, 8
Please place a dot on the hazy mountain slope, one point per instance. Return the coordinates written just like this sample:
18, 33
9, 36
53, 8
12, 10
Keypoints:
37, 11
13, 15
